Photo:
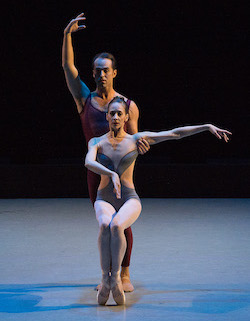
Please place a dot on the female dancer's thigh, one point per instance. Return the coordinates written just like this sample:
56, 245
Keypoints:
128, 213
104, 212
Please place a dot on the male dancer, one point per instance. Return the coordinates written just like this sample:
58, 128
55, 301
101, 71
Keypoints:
92, 108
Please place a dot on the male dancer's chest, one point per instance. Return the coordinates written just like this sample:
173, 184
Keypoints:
99, 103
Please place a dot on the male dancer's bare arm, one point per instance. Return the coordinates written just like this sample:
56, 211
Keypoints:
94, 166
76, 86
132, 124
181, 132
132, 128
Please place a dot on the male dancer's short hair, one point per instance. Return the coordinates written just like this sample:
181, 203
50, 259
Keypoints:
106, 55
121, 100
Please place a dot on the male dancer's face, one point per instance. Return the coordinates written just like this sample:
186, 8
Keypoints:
104, 73
116, 116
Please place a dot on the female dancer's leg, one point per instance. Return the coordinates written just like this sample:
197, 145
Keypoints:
104, 214
93, 183
124, 218
112, 243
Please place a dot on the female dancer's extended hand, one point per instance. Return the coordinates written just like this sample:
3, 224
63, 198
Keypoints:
73, 26
117, 184
219, 133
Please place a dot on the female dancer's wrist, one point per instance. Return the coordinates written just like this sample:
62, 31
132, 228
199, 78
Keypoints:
112, 174
207, 127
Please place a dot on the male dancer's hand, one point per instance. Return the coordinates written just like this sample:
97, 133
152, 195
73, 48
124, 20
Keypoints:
117, 184
74, 26
142, 146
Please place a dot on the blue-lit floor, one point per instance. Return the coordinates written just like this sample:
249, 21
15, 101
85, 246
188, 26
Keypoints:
190, 261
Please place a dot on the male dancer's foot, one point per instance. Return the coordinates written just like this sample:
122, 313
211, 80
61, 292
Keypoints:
126, 283
125, 277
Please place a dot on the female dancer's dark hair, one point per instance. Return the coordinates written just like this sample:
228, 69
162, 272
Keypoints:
121, 100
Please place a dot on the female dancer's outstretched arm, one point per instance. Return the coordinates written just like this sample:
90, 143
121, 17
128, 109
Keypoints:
181, 132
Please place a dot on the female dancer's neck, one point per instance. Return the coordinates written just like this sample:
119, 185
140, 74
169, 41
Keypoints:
120, 133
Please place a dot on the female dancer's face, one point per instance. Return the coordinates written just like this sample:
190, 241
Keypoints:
116, 116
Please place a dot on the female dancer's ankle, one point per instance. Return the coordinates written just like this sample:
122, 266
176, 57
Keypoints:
115, 274
115, 277
106, 279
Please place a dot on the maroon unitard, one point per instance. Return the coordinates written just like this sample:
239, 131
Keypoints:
94, 124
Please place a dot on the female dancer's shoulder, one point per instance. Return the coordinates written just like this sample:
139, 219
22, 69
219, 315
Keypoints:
97, 141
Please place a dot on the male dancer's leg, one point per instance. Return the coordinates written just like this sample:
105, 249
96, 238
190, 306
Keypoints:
129, 237
93, 182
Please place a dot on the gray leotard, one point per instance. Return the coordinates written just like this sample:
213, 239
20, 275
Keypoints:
107, 193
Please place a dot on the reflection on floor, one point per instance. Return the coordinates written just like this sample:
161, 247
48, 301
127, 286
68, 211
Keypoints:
190, 261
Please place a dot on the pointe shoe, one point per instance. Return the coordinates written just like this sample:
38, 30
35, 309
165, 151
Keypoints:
118, 295
104, 290
117, 289
103, 294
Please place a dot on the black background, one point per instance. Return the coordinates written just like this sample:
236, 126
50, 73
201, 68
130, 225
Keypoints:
182, 62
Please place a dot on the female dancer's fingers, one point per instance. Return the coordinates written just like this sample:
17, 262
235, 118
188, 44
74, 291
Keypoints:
226, 138
118, 191
217, 134
223, 134
223, 131
117, 184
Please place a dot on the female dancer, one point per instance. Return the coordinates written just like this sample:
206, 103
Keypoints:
117, 205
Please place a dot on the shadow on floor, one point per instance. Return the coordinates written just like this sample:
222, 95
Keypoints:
18, 298
23, 298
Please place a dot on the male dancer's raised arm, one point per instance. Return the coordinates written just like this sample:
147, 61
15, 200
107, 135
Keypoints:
77, 87
80, 90
92, 109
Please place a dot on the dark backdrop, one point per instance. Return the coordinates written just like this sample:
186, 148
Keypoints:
182, 62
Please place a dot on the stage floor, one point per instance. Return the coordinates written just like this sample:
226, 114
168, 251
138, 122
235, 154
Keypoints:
190, 261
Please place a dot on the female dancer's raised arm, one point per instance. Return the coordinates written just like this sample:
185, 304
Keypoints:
181, 132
